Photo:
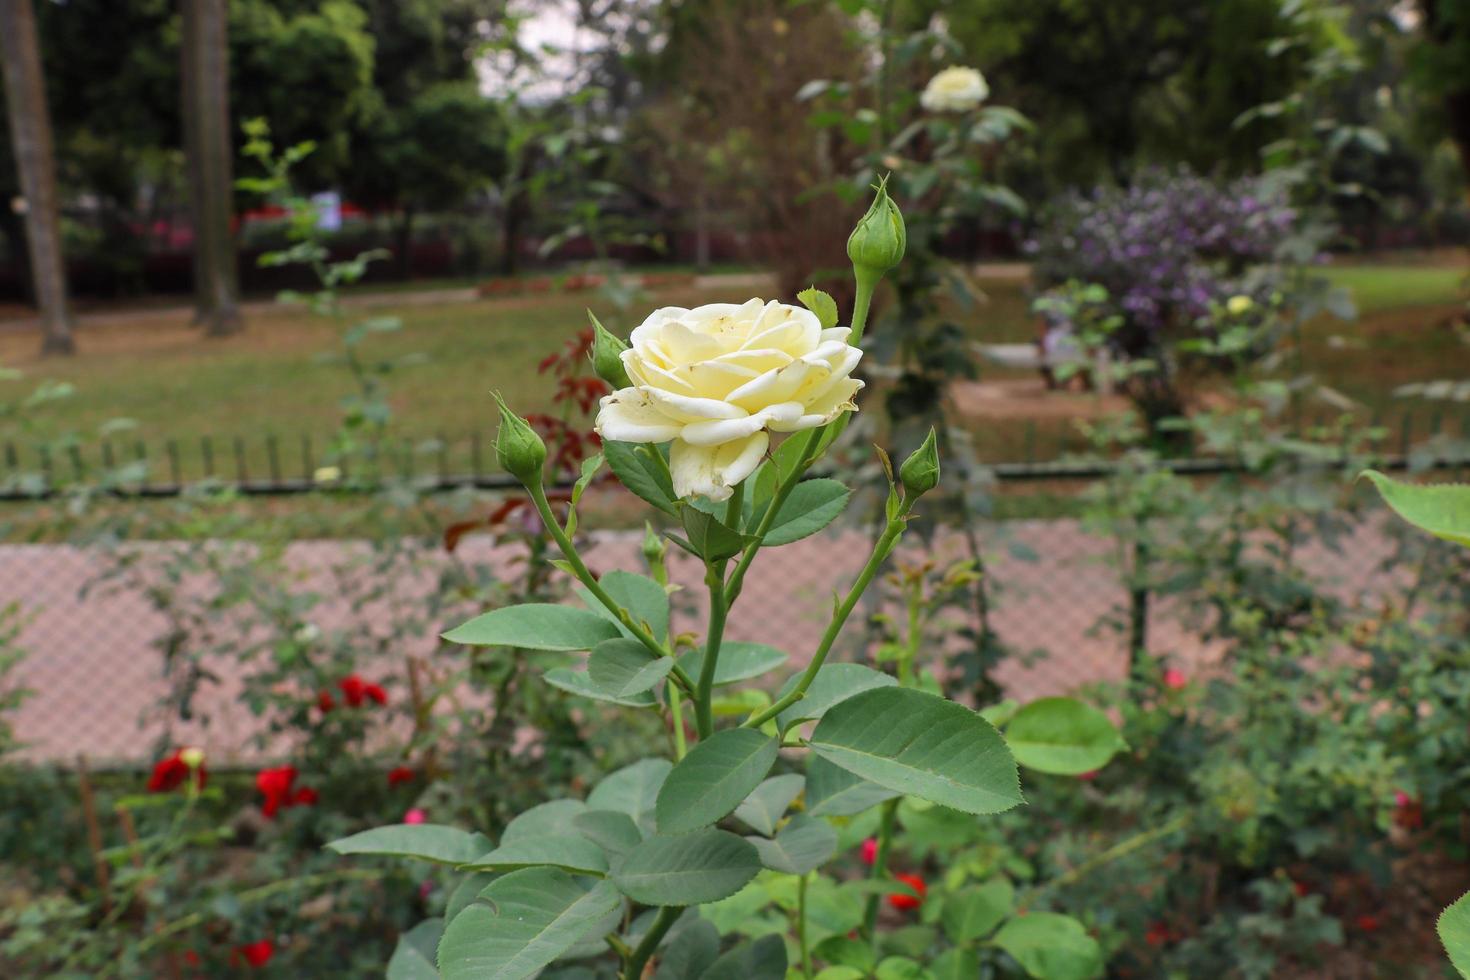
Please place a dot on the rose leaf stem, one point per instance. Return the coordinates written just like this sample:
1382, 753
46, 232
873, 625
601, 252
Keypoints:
867, 282
865, 578
585, 576
676, 718
633, 965
880, 868
806, 953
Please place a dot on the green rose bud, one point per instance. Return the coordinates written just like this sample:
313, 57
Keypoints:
518, 447
607, 359
877, 243
920, 472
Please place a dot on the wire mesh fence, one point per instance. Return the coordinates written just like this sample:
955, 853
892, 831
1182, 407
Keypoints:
102, 656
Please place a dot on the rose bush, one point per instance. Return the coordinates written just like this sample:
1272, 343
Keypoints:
717, 380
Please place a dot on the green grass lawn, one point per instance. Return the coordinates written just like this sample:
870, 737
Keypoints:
176, 386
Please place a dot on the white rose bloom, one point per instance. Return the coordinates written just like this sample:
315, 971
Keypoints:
718, 379
955, 89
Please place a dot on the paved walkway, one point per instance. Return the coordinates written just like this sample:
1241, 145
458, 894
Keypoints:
95, 662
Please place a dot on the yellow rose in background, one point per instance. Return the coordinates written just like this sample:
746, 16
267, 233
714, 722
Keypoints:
955, 89
718, 379
1239, 305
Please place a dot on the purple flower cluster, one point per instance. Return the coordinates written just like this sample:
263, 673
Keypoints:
1168, 249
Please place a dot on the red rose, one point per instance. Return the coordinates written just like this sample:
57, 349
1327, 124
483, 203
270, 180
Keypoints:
400, 774
901, 901
170, 773
870, 850
1408, 811
258, 953
1088, 776
354, 689
276, 786
376, 693
1367, 922
1175, 679
1158, 934
1301, 889
324, 701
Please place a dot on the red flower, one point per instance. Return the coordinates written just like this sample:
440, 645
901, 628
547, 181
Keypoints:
400, 774
1175, 679
354, 689
325, 701
1408, 812
1158, 934
276, 786
870, 850
192, 958
258, 953
901, 901
1088, 776
1367, 922
170, 773
1301, 889
376, 693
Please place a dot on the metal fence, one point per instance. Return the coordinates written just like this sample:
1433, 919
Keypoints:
97, 667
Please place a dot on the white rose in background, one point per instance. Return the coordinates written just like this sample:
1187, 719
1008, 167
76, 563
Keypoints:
954, 89
718, 379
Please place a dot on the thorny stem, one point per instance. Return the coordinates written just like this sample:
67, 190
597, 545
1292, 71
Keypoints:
633, 965
880, 868
585, 576
881, 550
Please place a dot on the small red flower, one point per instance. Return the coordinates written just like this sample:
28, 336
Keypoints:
415, 816
400, 774
1158, 934
354, 689
192, 958
258, 953
1088, 776
172, 772
1175, 679
870, 850
276, 785
901, 901
1408, 812
1367, 922
376, 693
325, 702
1301, 889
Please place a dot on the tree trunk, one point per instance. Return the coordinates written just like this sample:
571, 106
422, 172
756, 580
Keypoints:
30, 137
205, 74
188, 43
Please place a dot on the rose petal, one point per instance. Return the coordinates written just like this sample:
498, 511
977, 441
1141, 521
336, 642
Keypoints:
714, 470
631, 415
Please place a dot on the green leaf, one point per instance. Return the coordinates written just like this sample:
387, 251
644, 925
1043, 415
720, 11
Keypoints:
921, 745
413, 957
535, 626
956, 964
465, 893
523, 922
551, 817
832, 791
575, 854
632, 789
424, 841
759, 959
710, 538
1062, 736
1441, 509
577, 682
833, 684
638, 470
841, 951
689, 869
623, 667
1051, 946
644, 598
767, 803
691, 951
975, 912
811, 506
738, 661
713, 779
823, 305
901, 968
613, 831
804, 844
1454, 932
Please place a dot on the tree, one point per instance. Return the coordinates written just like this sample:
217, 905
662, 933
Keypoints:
204, 74
31, 145
1443, 66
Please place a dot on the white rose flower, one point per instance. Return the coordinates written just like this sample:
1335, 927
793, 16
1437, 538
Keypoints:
954, 89
717, 380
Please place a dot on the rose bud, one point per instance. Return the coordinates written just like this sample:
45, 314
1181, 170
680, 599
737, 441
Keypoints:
607, 355
519, 449
877, 243
920, 472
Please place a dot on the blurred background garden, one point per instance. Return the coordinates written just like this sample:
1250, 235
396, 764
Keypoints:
1177, 271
